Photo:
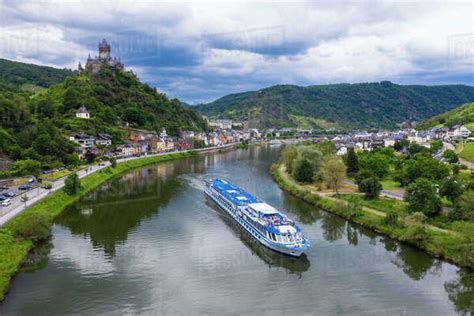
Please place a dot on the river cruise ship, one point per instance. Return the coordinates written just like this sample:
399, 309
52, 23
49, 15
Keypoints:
263, 222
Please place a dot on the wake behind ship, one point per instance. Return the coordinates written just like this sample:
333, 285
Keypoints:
263, 222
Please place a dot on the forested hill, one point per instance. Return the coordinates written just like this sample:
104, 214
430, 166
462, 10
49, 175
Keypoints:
23, 74
35, 126
461, 115
360, 106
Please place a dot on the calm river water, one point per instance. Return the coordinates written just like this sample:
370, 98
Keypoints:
150, 242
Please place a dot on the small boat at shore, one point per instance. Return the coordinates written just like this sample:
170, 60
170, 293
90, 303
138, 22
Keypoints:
263, 222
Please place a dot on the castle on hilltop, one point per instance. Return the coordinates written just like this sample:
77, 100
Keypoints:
93, 65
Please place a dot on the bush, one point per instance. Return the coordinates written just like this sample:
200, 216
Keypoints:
113, 162
32, 226
464, 208
450, 156
371, 187
72, 184
391, 219
415, 233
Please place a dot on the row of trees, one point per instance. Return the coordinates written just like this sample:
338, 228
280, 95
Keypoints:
425, 179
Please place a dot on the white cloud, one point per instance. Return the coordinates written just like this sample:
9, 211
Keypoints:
263, 42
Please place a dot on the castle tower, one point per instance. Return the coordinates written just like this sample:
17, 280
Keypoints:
104, 51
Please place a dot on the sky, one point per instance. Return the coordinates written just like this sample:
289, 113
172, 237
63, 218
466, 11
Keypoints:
199, 51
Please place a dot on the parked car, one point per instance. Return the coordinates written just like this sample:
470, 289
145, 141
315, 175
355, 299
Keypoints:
3, 198
24, 187
31, 180
9, 194
3, 187
6, 202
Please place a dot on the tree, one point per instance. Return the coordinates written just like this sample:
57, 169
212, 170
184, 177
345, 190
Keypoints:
24, 198
32, 226
352, 162
333, 172
464, 209
113, 162
421, 197
379, 164
71, 99
399, 145
450, 156
288, 155
436, 145
371, 187
326, 147
90, 157
27, 167
451, 188
72, 184
302, 170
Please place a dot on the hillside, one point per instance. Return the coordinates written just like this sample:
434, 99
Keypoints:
28, 75
461, 115
35, 126
362, 106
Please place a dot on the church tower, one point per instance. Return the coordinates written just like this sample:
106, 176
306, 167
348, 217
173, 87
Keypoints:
104, 51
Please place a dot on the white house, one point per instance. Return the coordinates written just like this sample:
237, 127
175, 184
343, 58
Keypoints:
459, 131
83, 140
83, 113
104, 140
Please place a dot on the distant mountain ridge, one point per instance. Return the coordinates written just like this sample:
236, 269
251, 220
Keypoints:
461, 115
22, 73
344, 106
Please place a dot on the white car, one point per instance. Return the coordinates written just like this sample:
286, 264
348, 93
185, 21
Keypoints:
31, 180
6, 202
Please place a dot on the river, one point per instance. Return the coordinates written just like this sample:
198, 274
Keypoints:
150, 242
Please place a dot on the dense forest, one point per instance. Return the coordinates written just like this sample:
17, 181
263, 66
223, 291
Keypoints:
461, 115
34, 126
21, 73
346, 106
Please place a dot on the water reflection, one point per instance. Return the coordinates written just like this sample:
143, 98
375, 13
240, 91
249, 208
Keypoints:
112, 211
461, 292
416, 264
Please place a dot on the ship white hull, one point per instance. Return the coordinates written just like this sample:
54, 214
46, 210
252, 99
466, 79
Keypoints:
252, 231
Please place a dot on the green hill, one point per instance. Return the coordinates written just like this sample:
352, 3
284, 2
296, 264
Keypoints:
29, 75
461, 115
35, 125
347, 106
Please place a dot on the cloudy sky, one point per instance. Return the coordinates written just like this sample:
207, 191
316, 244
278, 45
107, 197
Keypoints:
199, 51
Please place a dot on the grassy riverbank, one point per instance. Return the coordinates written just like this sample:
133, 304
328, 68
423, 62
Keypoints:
450, 245
13, 251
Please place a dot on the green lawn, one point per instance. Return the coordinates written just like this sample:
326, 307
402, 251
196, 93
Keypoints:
380, 204
470, 126
468, 152
390, 184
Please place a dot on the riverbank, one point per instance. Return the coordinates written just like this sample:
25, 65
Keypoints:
13, 251
448, 245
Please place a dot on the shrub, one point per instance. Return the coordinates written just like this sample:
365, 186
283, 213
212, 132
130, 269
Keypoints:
391, 219
415, 233
464, 208
113, 162
371, 187
32, 226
